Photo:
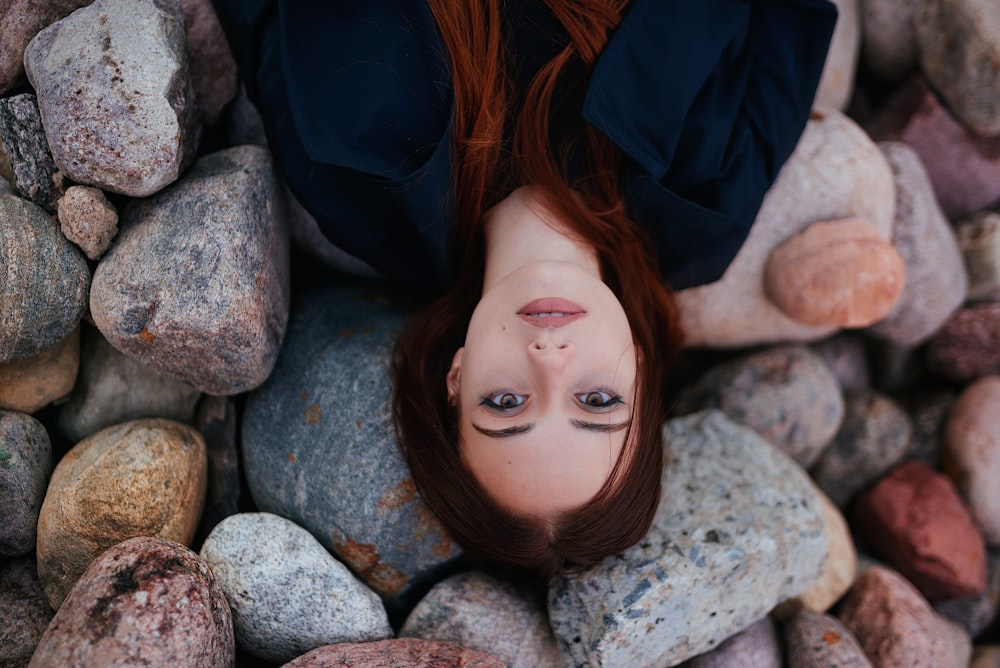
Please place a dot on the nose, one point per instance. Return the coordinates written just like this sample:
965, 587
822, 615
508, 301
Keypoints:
549, 352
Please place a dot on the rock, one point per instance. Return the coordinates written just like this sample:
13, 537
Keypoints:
814, 639
24, 612
976, 613
835, 172
213, 69
873, 437
847, 357
888, 42
838, 273
986, 656
49, 375
20, 20
936, 283
928, 414
88, 219
242, 123
22, 138
409, 652
115, 94
915, 520
979, 238
757, 645
959, 46
968, 346
738, 530
963, 167
319, 446
836, 84
896, 627
972, 452
145, 601
25, 464
287, 594
197, 284
479, 611
113, 388
217, 421
46, 281
140, 478
785, 393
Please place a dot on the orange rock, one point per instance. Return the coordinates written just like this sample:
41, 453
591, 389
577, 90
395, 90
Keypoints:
29, 384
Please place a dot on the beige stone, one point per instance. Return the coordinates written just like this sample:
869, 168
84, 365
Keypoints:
88, 219
141, 478
35, 382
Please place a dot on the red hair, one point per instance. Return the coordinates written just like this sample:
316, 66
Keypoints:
487, 168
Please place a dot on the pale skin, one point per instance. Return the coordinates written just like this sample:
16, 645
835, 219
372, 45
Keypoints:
545, 393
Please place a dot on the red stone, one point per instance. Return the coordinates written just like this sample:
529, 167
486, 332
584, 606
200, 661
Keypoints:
409, 652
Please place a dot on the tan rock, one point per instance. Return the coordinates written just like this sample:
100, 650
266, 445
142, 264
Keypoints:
88, 219
140, 478
32, 383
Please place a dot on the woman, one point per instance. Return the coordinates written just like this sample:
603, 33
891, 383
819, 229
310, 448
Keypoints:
537, 163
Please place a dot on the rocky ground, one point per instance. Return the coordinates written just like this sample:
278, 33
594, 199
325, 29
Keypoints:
197, 463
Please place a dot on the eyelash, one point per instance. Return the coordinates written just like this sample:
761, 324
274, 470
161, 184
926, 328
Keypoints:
615, 399
487, 400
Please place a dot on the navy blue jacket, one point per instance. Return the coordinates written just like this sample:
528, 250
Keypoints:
707, 99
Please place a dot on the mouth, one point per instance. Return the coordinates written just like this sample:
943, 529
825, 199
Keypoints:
551, 312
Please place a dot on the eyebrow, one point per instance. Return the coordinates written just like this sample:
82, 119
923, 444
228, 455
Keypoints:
524, 428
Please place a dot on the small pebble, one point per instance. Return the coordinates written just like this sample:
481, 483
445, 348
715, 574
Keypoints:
816, 640
88, 219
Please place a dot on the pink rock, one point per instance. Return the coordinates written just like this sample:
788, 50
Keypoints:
88, 219
897, 627
213, 69
915, 520
20, 20
968, 346
409, 652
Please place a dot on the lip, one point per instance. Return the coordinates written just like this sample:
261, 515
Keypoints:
571, 312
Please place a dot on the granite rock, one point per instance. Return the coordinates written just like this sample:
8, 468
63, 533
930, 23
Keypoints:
140, 478
197, 284
24, 612
31, 383
409, 652
968, 346
814, 639
738, 530
757, 646
22, 139
846, 355
979, 239
888, 42
25, 465
976, 613
88, 219
20, 20
115, 94
213, 70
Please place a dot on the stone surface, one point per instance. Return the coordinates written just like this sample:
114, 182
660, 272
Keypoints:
976, 613
936, 283
197, 284
738, 530
914, 519
143, 602
968, 346
895, 625
985, 656
319, 446
837, 273
757, 646
217, 421
409, 652
846, 355
287, 594
888, 42
813, 639
972, 453
25, 465
44, 281
140, 478
836, 85
20, 20
928, 413
479, 611
115, 94
22, 138
213, 69
873, 437
88, 219
979, 238
835, 172
959, 46
113, 388
24, 612
34, 382
787, 394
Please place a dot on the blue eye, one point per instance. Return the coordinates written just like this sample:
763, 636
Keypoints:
599, 399
503, 401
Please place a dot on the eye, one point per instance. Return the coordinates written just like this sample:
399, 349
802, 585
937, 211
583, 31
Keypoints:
599, 399
503, 401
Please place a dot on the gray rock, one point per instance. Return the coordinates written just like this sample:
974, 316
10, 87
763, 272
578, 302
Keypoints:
757, 646
787, 394
976, 613
113, 388
480, 611
25, 465
738, 530
846, 355
242, 122
20, 20
817, 640
22, 138
213, 69
319, 446
979, 239
24, 612
889, 45
197, 284
936, 283
288, 595
44, 280
115, 94
928, 414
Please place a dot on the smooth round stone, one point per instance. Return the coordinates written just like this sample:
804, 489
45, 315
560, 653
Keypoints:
25, 464
45, 281
140, 478
479, 611
35, 382
976, 613
972, 452
288, 595
814, 639
888, 43
24, 612
786, 394
846, 355
409, 652
143, 602
915, 520
873, 437
757, 646
836, 84
21, 20
88, 219
113, 388
838, 273
895, 625
979, 238
22, 139
968, 346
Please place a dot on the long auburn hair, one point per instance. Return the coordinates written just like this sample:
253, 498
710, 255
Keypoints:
486, 169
